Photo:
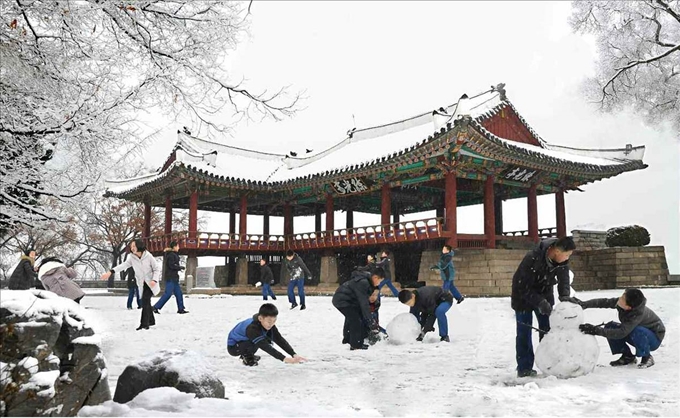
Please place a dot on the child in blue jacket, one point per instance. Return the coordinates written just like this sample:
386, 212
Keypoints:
259, 332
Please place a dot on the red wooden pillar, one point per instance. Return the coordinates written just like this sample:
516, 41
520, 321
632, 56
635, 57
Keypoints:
489, 218
532, 209
330, 220
385, 204
317, 219
168, 215
193, 214
349, 222
451, 208
265, 222
287, 219
243, 217
232, 221
147, 220
560, 214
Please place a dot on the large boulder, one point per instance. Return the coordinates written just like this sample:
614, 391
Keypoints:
51, 363
187, 371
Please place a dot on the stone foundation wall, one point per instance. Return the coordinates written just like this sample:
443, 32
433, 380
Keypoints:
589, 240
489, 272
478, 272
619, 267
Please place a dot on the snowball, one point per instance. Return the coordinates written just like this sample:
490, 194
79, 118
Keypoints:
403, 329
567, 353
258, 284
566, 316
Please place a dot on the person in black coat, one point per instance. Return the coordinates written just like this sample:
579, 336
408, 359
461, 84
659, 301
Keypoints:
133, 290
267, 279
427, 304
352, 300
171, 269
23, 277
532, 293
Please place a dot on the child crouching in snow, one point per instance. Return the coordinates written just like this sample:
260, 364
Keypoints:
259, 332
639, 327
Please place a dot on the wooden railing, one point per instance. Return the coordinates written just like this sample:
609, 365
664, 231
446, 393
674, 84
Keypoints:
542, 232
475, 241
407, 231
395, 233
218, 241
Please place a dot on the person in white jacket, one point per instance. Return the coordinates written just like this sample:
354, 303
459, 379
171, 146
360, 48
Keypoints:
147, 273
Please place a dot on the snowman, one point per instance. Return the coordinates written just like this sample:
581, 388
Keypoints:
565, 351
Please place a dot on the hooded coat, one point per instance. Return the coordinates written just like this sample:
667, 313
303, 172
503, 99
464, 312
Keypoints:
23, 276
639, 316
57, 278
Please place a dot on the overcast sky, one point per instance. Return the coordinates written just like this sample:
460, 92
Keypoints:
379, 62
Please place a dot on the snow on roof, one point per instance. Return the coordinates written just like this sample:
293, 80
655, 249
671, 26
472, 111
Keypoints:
605, 157
360, 146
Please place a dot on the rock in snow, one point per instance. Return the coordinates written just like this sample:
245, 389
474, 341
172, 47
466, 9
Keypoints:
51, 363
185, 370
403, 329
565, 351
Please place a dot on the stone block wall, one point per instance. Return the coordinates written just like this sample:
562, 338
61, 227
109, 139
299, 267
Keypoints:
489, 272
589, 240
619, 267
478, 272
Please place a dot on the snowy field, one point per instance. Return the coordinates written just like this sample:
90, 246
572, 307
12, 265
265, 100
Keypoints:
471, 376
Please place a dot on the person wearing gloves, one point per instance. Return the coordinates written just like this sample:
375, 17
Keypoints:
57, 278
427, 304
639, 327
352, 300
532, 294
147, 273
171, 269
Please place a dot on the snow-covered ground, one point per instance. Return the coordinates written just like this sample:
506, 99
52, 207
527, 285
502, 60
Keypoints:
471, 376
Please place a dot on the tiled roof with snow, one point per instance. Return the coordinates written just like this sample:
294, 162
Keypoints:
361, 146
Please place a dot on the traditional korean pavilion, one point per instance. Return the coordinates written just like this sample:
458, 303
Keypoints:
479, 150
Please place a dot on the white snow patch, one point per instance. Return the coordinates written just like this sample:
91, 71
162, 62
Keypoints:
169, 402
29, 363
91, 340
473, 375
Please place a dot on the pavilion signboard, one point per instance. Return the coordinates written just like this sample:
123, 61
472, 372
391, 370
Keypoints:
520, 174
351, 186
